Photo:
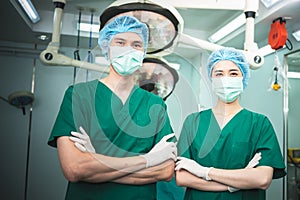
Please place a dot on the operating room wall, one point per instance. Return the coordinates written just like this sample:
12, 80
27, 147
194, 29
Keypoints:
46, 180
15, 75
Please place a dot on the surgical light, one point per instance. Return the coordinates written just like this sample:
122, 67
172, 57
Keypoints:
296, 35
164, 23
157, 77
227, 29
30, 10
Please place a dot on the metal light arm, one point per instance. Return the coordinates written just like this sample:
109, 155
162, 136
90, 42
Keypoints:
250, 11
255, 59
196, 42
51, 56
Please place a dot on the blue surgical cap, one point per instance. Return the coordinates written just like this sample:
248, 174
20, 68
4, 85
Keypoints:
233, 55
122, 24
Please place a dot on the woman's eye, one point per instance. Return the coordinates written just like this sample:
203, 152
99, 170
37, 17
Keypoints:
218, 74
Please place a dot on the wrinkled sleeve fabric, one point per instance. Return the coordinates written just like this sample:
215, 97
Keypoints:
268, 145
64, 122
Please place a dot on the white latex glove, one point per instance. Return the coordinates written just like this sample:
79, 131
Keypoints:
253, 162
161, 152
82, 141
193, 167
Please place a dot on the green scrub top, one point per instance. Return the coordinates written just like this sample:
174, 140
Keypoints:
115, 129
232, 147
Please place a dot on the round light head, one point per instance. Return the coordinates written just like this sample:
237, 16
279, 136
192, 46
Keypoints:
162, 24
157, 77
20, 99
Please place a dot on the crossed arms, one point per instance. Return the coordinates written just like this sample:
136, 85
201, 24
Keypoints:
193, 175
80, 165
92, 167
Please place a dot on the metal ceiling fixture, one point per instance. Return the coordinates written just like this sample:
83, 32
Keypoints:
51, 56
165, 25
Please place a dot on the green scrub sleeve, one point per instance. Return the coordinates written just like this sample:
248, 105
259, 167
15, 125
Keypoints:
64, 122
269, 147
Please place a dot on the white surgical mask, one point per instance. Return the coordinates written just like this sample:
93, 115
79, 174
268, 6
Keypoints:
125, 60
228, 88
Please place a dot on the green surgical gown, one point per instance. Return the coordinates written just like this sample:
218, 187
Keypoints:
232, 147
115, 129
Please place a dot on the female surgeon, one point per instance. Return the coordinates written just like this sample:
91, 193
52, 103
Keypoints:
228, 152
111, 135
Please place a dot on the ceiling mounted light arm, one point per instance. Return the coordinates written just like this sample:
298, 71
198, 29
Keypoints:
138, 8
253, 56
250, 11
51, 56
251, 51
196, 42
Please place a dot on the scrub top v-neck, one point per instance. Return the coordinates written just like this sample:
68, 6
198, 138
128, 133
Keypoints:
232, 118
115, 129
232, 147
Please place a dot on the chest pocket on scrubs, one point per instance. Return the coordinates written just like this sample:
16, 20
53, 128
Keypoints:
240, 154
